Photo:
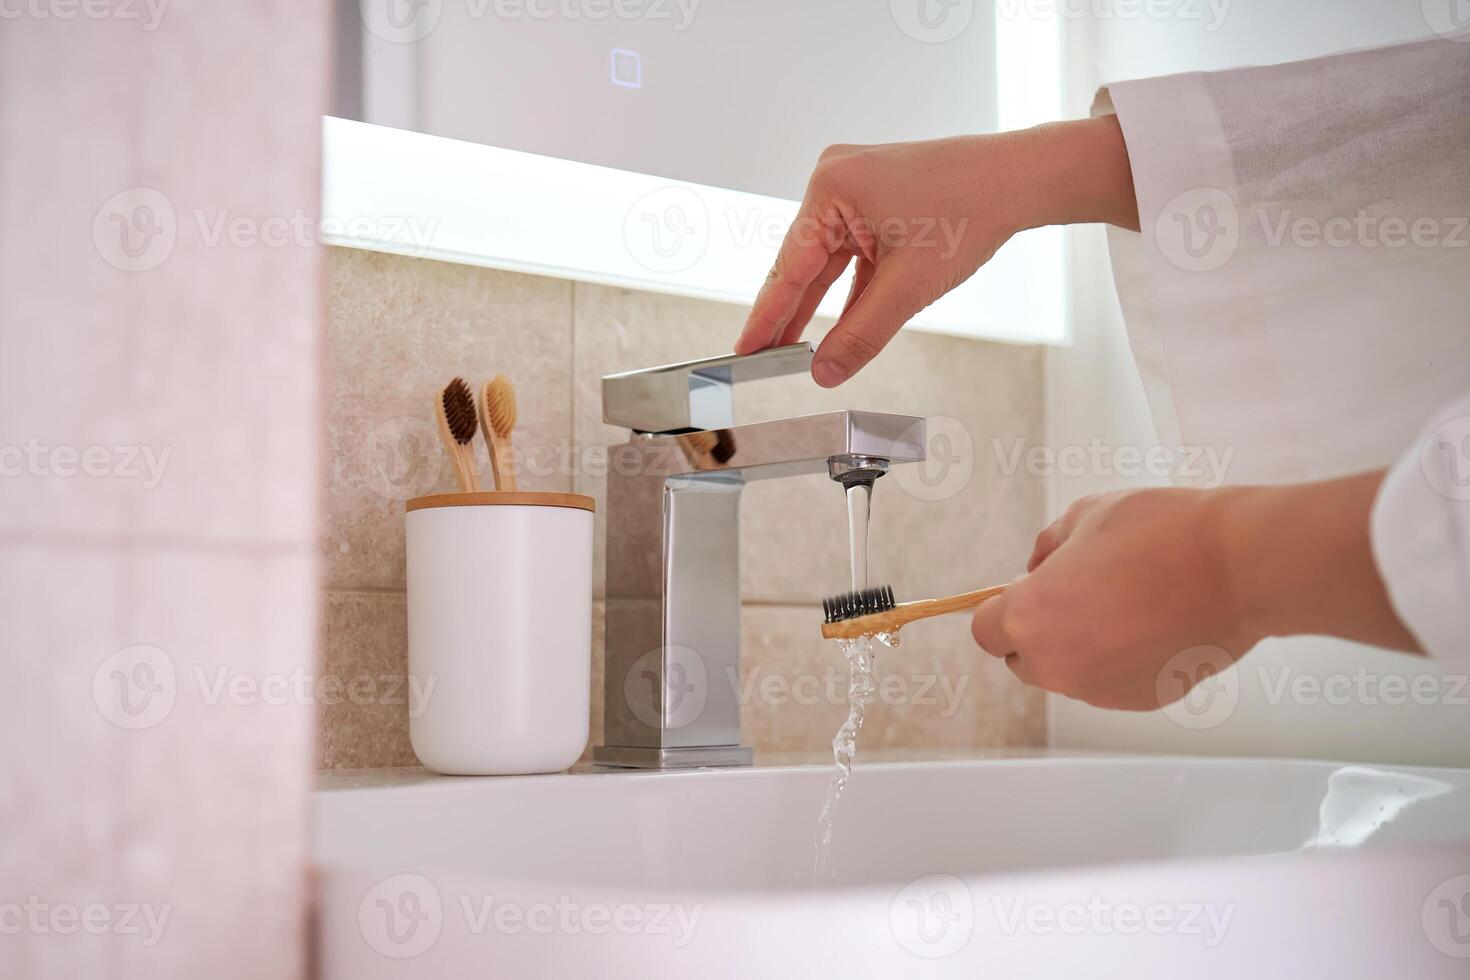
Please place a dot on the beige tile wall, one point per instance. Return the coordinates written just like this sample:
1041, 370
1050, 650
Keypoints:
399, 327
146, 609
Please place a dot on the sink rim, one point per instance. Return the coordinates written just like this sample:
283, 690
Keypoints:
422, 783
418, 777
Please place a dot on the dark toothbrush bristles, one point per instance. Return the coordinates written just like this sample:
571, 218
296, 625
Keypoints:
851, 605
459, 411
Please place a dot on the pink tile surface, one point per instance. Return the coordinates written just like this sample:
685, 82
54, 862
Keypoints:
126, 590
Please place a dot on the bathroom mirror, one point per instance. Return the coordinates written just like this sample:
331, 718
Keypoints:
663, 144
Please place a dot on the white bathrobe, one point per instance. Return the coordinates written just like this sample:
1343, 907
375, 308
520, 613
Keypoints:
1300, 291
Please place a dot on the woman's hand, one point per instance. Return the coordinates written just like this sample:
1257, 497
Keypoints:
1115, 588
919, 219
1123, 583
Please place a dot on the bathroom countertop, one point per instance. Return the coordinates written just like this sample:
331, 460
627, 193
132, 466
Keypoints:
337, 779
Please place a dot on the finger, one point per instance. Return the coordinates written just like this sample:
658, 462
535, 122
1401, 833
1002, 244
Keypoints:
791, 333
987, 627
884, 306
1021, 668
860, 280
804, 254
1055, 534
1049, 540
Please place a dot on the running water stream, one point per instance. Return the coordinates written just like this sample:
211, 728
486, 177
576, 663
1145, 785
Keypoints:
859, 655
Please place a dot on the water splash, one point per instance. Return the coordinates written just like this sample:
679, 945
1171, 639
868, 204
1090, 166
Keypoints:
860, 682
860, 688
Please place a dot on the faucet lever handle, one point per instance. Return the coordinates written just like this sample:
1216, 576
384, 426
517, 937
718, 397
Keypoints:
694, 394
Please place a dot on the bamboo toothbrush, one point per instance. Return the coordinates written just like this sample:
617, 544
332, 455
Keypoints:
870, 611
497, 418
455, 408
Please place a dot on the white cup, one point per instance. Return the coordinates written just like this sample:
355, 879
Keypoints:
499, 630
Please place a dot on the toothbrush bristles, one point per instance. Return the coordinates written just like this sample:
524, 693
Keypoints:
864, 602
500, 405
459, 411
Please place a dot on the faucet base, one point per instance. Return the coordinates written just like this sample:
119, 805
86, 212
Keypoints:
640, 757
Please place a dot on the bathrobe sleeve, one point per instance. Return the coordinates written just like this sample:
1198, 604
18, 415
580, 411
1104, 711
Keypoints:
1421, 533
1299, 294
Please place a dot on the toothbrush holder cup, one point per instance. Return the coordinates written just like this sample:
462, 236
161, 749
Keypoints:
499, 630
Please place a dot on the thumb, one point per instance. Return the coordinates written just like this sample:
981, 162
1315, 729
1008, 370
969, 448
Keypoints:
884, 306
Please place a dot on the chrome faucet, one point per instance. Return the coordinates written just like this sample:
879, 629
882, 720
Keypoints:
673, 551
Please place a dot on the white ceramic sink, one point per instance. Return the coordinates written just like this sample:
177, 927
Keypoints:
994, 868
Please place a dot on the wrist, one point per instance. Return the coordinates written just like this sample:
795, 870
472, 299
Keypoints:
1298, 560
1239, 530
1075, 172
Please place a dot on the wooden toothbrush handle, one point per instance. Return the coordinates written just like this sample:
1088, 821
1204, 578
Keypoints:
464, 468
502, 462
900, 615
924, 608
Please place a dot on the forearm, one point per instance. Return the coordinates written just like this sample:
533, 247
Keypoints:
1073, 172
1298, 560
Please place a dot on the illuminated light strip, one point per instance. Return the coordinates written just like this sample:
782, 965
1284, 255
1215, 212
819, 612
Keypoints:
1028, 91
409, 193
